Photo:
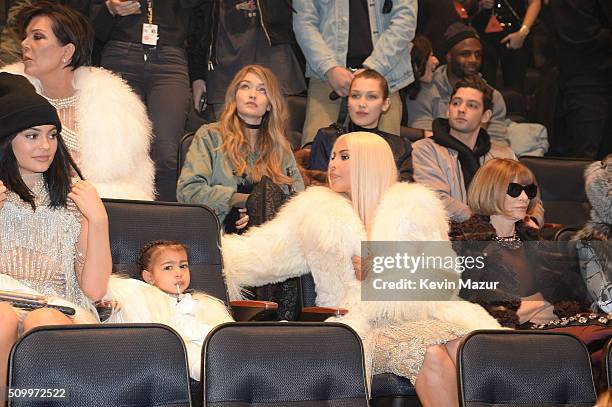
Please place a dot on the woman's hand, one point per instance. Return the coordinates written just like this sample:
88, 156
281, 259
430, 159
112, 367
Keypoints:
3, 191
243, 220
86, 198
122, 7
362, 267
514, 40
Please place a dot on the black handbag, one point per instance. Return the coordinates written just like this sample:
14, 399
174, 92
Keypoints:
263, 203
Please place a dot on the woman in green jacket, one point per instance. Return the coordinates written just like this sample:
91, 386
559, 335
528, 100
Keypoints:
227, 158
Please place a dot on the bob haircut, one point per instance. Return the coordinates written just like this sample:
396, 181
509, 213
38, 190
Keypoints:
487, 190
373, 171
69, 26
57, 177
372, 74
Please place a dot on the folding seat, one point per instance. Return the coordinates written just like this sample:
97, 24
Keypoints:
523, 368
561, 182
388, 390
99, 365
285, 364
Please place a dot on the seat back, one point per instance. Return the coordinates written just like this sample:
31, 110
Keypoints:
182, 152
524, 368
134, 223
283, 363
606, 363
561, 182
101, 365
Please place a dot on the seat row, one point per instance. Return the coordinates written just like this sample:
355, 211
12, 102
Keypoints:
278, 364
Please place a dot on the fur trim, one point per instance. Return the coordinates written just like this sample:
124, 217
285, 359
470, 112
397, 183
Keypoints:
319, 231
114, 134
310, 177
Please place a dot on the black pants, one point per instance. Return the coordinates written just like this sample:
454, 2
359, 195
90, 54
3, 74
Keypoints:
162, 81
587, 112
514, 62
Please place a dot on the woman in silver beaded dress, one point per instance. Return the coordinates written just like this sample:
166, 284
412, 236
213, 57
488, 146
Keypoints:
105, 125
53, 232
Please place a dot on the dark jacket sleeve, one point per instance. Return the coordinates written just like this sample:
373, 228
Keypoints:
101, 19
320, 152
199, 40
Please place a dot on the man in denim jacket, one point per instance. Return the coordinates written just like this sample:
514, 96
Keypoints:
336, 35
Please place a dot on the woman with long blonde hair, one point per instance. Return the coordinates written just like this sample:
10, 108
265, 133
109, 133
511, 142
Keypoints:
321, 231
228, 157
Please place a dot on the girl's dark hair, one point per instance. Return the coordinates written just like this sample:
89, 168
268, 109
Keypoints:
69, 26
57, 177
421, 50
147, 251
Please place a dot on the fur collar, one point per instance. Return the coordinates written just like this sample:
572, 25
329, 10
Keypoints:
114, 133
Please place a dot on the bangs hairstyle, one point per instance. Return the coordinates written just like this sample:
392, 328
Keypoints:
373, 172
68, 25
419, 55
148, 251
488, 189
372, 74
57, 177
271, 141
476, 82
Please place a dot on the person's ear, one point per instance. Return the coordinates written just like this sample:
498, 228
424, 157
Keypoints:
69, 50
386, 104
147, 276
269, 107
486, 116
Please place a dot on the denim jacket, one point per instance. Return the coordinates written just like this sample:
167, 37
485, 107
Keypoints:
322, 28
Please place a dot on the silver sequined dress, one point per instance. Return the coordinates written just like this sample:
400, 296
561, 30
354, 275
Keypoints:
38, 248
400, 348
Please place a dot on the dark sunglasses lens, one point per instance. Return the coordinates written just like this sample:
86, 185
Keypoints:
514, 189
531, 190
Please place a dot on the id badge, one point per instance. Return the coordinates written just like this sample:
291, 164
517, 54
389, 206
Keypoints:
149, 34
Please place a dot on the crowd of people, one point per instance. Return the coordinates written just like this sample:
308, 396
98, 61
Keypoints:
72, 132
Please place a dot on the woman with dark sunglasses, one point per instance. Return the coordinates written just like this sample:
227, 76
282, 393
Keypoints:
536, 281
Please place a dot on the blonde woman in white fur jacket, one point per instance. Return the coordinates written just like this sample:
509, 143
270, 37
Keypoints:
104, 124
321, 230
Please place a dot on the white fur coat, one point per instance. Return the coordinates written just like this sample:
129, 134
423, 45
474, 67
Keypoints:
114, 134
318, 231
193, 317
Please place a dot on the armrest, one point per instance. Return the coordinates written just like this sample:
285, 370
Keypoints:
251, 310
320, 314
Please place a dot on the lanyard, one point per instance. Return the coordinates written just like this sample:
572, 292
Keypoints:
150, 11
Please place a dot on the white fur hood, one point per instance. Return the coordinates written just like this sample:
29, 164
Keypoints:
318, 231
114, 133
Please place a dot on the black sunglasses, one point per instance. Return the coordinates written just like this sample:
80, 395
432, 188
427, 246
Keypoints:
514, 190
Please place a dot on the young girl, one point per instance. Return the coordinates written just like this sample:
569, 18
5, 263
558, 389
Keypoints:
162, 298
368, 99
53, 232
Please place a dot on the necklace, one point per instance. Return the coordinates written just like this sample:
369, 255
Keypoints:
63, 103
510, 242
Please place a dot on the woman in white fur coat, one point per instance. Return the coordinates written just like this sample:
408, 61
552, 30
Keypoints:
104, 124
321, 230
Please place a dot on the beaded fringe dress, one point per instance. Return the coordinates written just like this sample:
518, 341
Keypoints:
38, 247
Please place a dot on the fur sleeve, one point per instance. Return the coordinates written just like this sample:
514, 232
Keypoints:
315, 221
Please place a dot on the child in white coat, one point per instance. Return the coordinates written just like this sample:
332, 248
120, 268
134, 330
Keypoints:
163, 298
